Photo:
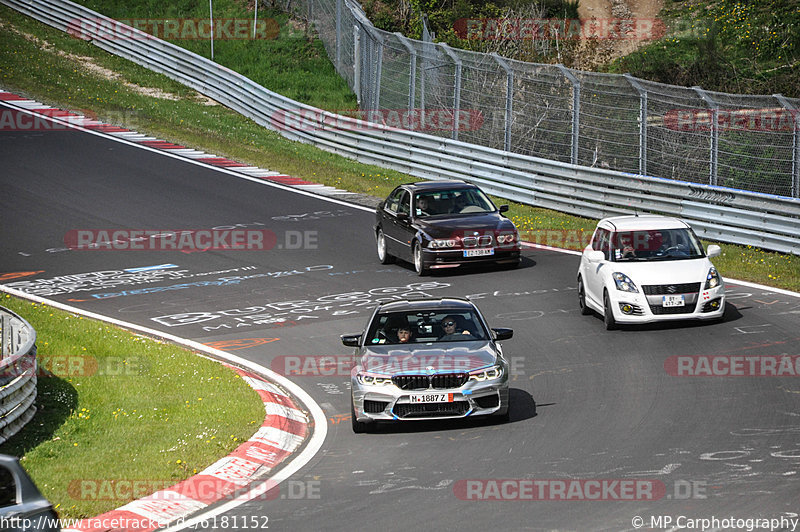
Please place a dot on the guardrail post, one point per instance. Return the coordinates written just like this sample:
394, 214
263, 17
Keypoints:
642, 123
712, 178
357, 63
509, 98
412, 79
457, 90
795, 143
339, 35
576, 107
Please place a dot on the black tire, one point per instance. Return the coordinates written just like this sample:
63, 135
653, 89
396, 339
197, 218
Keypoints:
359, 427
608, 315
585, 310
419, 263
383, 256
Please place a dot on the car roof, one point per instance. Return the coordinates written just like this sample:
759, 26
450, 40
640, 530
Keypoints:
430, 304
439, 185
644, 222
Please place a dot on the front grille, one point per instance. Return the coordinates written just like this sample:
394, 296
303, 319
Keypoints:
474, 241
488, 401
408, 410
440, 381
374, 407
412, 382
659, 310
669, 289
444, 381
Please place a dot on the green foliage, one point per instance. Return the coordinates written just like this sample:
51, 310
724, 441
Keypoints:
726, 46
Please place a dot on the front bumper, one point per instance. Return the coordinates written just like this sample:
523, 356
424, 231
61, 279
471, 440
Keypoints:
636, 307
449, 258
390, 403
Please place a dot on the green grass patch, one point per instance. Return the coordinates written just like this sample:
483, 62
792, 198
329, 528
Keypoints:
65, 81
113, 405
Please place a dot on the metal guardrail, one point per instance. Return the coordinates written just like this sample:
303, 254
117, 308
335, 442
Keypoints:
717, 213
17, 373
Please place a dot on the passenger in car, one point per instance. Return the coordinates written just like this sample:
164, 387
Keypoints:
404, 334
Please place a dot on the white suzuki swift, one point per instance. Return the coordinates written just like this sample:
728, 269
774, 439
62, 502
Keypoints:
640, 269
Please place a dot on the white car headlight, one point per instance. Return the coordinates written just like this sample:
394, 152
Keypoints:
495, 372
624, 282
442, 243
373, 380
712, 279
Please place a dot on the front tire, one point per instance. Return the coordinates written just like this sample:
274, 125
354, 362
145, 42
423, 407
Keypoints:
585, 310
608, 315
383, 255
419, 263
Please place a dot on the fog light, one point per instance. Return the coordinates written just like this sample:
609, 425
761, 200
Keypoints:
626, 308
714, 304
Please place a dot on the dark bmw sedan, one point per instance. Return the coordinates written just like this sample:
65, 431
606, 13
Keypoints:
444, 224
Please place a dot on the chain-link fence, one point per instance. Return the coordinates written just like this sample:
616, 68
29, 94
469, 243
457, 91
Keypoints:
601, 120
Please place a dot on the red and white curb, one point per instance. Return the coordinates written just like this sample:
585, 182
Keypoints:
282, 433
81, 121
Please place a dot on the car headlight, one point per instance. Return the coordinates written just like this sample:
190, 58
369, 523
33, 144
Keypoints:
373, 380
495, 372
624, 282
443, 243
712, 279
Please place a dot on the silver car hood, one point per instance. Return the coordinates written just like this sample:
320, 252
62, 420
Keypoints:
428, 357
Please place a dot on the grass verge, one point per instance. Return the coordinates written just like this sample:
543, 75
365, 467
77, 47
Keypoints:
63, 71
116, 407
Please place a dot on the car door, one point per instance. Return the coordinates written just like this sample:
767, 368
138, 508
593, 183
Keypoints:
397, 223
593, 271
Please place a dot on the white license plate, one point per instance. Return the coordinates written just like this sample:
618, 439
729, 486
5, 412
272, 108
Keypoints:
673, 301
478, 252
432, 398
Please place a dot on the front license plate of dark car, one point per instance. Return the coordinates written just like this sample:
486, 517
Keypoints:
432, 398
478, 252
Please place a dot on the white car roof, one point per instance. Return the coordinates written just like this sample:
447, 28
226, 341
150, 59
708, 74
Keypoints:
642, 223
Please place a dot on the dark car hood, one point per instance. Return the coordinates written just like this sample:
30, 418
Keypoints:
445, 226
420, 358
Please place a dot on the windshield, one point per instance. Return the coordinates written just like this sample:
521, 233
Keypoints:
422, 327
653, 245
452, 201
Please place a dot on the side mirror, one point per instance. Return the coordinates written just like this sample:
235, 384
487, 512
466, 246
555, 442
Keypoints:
713, 251
502, 333
402, 216
503, 208
594, 256
351, 340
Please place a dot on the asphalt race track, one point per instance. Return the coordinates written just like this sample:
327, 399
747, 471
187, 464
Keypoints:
587, 404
